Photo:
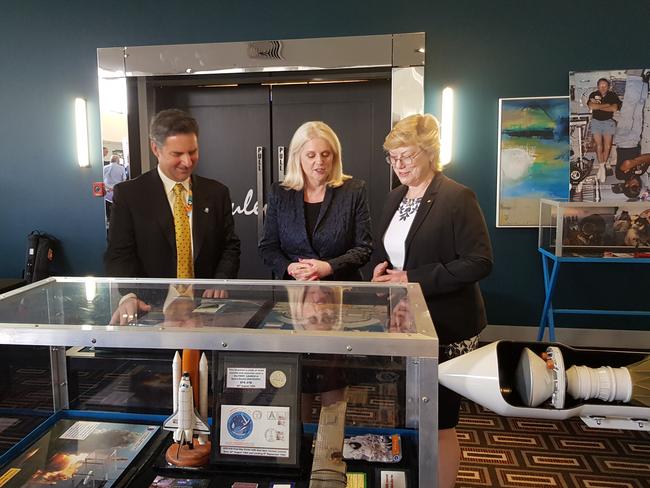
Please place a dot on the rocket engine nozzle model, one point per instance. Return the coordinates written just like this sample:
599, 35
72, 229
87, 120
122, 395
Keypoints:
553, 381
543, 377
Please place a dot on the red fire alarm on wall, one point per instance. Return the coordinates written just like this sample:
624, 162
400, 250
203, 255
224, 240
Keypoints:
98, 189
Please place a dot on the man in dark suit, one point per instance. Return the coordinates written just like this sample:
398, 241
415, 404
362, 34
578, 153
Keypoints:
169, 223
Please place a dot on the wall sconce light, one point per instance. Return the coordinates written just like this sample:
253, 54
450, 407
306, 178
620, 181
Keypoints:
447, 124
81, 125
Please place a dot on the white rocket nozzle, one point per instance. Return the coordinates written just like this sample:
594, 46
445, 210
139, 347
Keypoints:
604, 383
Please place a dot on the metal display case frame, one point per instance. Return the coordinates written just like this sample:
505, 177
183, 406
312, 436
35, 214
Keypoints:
419, 345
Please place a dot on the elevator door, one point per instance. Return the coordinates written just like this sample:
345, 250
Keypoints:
242, 129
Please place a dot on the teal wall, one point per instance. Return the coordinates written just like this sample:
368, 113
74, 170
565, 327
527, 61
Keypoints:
486, 50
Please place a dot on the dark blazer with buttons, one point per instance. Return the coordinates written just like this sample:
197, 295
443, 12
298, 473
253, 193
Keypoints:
141, 237
448, 251
342, 235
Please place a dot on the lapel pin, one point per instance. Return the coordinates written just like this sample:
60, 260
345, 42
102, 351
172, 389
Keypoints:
206, 210
428, 201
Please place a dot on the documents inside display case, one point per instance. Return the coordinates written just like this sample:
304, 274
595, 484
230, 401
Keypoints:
278, 352
595, 230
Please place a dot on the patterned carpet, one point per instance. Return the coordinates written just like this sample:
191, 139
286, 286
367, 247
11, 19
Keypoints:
517, 453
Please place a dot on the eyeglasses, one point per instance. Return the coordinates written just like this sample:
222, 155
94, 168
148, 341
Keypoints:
406, 160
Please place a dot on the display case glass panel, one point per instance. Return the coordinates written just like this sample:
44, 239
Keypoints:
595, 230
374, 342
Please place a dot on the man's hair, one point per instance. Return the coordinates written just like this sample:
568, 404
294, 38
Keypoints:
170, 122
605, 80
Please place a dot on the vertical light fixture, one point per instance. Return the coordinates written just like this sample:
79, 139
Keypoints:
447, 124
81, 125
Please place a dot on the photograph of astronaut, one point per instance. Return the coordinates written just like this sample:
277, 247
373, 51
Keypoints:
373, 448
610, 136
617, 231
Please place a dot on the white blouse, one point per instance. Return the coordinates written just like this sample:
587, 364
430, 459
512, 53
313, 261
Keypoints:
398, 229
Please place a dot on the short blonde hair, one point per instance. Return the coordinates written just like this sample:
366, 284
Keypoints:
294, 178
418, 130
297, 295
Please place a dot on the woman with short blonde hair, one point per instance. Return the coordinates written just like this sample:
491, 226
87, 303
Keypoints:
422, 131
432, 232
317, 220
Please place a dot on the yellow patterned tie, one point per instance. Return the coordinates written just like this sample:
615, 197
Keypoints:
184, 261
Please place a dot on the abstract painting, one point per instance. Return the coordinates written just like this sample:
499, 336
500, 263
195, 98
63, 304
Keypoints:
533, 159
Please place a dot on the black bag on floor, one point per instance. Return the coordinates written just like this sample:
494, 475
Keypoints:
41, 250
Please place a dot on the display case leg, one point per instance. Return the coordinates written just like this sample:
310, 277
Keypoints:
428, 422
547, 310
59, 378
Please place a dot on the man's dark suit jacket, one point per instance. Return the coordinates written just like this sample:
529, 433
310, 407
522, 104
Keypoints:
141, 237
342, 235
448, 251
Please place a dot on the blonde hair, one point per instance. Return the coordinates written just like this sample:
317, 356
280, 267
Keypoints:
297, 295
294, 178
418, 130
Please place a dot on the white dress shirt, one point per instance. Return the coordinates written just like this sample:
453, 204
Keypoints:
398, 229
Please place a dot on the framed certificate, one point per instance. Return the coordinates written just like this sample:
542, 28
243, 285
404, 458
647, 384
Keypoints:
256, 409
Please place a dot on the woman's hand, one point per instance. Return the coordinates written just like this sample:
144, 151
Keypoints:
299, 271
309, 269
319, 269
379, 270
391, 276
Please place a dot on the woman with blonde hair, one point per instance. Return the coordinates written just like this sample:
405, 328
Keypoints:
317, 221
432, 232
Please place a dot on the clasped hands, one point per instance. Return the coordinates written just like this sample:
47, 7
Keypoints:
309, 269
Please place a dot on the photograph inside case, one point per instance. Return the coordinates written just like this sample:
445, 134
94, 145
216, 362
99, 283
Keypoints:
616, 231
79, 453
256, 409
373, 448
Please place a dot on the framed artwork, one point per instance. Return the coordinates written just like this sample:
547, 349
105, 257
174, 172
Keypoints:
533, 157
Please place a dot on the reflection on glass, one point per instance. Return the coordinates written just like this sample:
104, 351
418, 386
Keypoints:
316, 307
401, 318
115, 136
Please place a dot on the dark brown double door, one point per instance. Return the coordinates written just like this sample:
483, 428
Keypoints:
245, 128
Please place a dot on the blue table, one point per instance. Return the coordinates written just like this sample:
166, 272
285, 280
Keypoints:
551, 272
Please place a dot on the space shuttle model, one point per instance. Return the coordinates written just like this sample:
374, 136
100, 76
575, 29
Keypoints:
185, 422
609, 389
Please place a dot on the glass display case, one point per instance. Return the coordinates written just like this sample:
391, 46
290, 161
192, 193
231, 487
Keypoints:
375, 343
595, 230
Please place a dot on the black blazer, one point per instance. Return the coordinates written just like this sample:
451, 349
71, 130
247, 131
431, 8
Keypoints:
342, 235
141, 237
448, 251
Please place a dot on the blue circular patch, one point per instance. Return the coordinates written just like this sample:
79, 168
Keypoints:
240, 425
